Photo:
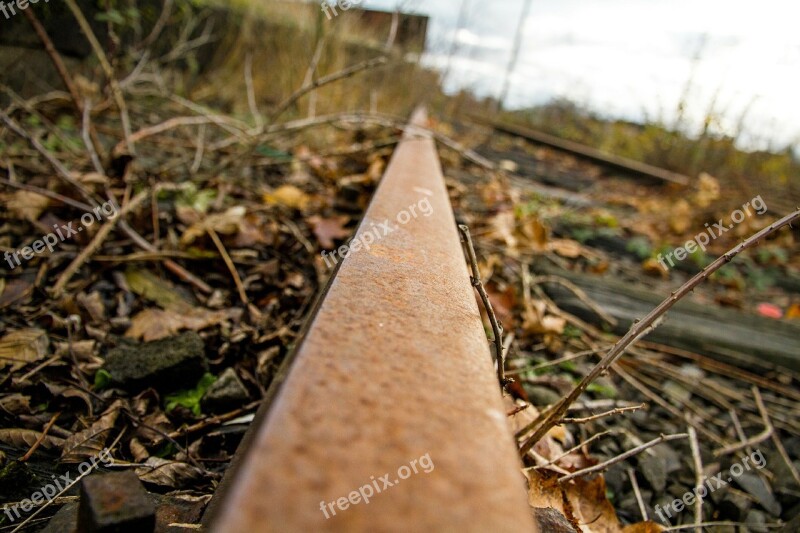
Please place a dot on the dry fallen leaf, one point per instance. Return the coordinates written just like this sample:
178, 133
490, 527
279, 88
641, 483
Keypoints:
92, 440
153, 324
24, 346
227, 223
328, 229
590, 505
289, 196
27, 205
25, 438
165, 473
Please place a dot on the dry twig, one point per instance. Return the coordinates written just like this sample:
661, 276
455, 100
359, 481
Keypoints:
775, 438
315, 84
638, 493
698, 478
619, 458
41, 438
109, 72
547, 421
598, 416
497, 328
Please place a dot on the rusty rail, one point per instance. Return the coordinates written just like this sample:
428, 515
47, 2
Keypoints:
587, 152
393, 367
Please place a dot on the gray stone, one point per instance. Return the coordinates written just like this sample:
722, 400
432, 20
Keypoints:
552, 521
734, 505
756, 522
756, 487
226, 392
541, 396
115, 502
654, 470
166, 364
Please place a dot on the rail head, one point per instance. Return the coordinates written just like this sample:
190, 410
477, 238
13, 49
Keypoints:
390, 417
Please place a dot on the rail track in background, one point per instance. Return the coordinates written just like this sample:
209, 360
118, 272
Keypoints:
393, 366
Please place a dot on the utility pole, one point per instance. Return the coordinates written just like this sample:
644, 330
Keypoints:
526, 7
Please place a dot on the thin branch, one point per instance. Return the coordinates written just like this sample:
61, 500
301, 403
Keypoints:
554, 362
619, 458
229, 263
167, 125
574, 448
775, 438
733, 448
109, 71
582, 296
41, 438
710, 524
65, 489
315, 84
638, 493
166, 11
251, 94
50, 194
737, 424
63, 72
612, 412
644, 325
66, 175
86, 130
698, 478
497, 328
95, 244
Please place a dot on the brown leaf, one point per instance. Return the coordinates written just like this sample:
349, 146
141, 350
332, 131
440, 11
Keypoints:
23, 346
93, 303
535, 232
16, 404
25, 438
27, 205
139, 452
565, 248
16, 289
154, 426
153, 324
155, 289
226, 223
171, 474
590, 505
91, 441
328, 229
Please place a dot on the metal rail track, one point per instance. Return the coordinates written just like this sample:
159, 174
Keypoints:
388, 415
586, 152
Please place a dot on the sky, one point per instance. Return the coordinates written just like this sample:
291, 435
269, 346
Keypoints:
632, 59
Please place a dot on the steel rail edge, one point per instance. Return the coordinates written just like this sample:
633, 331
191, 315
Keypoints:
610, 160
393, 367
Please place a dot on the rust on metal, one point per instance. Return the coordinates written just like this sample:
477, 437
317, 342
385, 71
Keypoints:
394, 366
587, 152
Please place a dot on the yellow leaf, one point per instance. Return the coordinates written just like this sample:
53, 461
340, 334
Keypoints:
289, 196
